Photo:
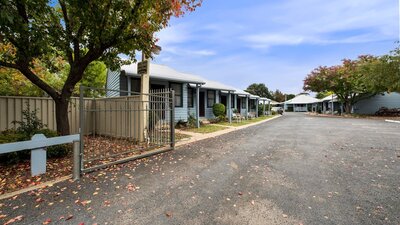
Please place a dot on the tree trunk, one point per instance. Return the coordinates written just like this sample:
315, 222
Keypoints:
62, 116
348, 107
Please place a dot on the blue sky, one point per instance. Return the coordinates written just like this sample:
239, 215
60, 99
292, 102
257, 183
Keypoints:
239, 42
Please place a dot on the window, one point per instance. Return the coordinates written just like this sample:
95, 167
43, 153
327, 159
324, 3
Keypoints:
232, 101
211, 96
190, 97
243, 103
178, 94
135, 85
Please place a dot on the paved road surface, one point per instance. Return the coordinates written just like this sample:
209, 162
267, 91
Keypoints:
293, 170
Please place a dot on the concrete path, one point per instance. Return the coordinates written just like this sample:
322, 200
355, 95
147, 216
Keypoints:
293, 170
199, 136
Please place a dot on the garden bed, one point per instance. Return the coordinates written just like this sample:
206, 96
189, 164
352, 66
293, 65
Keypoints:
205, 129
18, 176
245, 122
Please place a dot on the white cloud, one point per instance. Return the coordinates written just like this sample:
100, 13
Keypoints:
326, 22
267, 40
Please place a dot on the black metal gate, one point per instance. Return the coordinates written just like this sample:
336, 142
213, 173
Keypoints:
121, 128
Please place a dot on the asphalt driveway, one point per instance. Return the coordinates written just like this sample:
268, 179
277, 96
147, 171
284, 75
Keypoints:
296, 169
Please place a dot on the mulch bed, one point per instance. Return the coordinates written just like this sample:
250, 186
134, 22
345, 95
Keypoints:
18, 176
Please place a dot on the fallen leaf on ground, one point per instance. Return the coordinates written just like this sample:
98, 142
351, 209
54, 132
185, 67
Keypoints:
47, 221
69, 217
15, 219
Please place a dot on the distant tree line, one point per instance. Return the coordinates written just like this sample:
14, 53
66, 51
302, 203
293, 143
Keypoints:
262, 90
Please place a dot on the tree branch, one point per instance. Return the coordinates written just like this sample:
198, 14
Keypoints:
24, 69
22, 11
67, 30
9, 65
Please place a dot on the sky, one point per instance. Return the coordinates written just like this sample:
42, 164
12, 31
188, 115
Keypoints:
240, 42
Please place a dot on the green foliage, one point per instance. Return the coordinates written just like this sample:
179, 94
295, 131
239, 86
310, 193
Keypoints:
218, 110
323, 94
9, 136
94, 76
354, 80
261, 109
278, 96
40, 33
273, 113
29, 126
290, 96
382, 74
191, 121
15, 84
30, 122
259, 89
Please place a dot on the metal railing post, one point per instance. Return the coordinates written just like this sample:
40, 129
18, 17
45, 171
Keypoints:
81, 126
172, 119
76, 173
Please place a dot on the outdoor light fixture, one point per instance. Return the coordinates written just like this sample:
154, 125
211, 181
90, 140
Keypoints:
156, 49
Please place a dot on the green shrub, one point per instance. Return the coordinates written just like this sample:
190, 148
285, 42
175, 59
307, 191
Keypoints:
261, 109
30, 122
218, 110
9, 136
191, 121
29, 126
180, 124
273, 113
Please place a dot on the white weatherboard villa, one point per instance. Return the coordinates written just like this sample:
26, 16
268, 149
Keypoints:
194, 95
367, 106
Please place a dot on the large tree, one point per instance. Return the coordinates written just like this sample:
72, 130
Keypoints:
382, 74
80, 32
13, 83
259, 89
346, 81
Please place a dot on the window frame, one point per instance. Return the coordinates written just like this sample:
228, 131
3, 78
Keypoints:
214, 98
190, 92
181, 95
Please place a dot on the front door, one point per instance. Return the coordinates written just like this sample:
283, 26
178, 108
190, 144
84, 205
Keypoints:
201, 105
223, 101
239, 104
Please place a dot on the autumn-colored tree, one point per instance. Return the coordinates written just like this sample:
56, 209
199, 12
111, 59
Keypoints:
80, 32
346, 81
278, 96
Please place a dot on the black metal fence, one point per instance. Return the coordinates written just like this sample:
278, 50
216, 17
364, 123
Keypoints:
121, 128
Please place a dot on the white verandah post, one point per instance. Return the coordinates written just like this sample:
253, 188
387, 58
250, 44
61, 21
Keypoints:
197, 105
229, 109
247, 107
263, 107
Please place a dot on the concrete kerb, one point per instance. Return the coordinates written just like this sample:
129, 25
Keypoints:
43, 185
197, 136
393, 121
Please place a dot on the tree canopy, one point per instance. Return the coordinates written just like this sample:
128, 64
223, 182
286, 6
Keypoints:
355, 79
79, 32
259, 89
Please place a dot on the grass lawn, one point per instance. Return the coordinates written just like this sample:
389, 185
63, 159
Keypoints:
205, 129
179, 136
245, 122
